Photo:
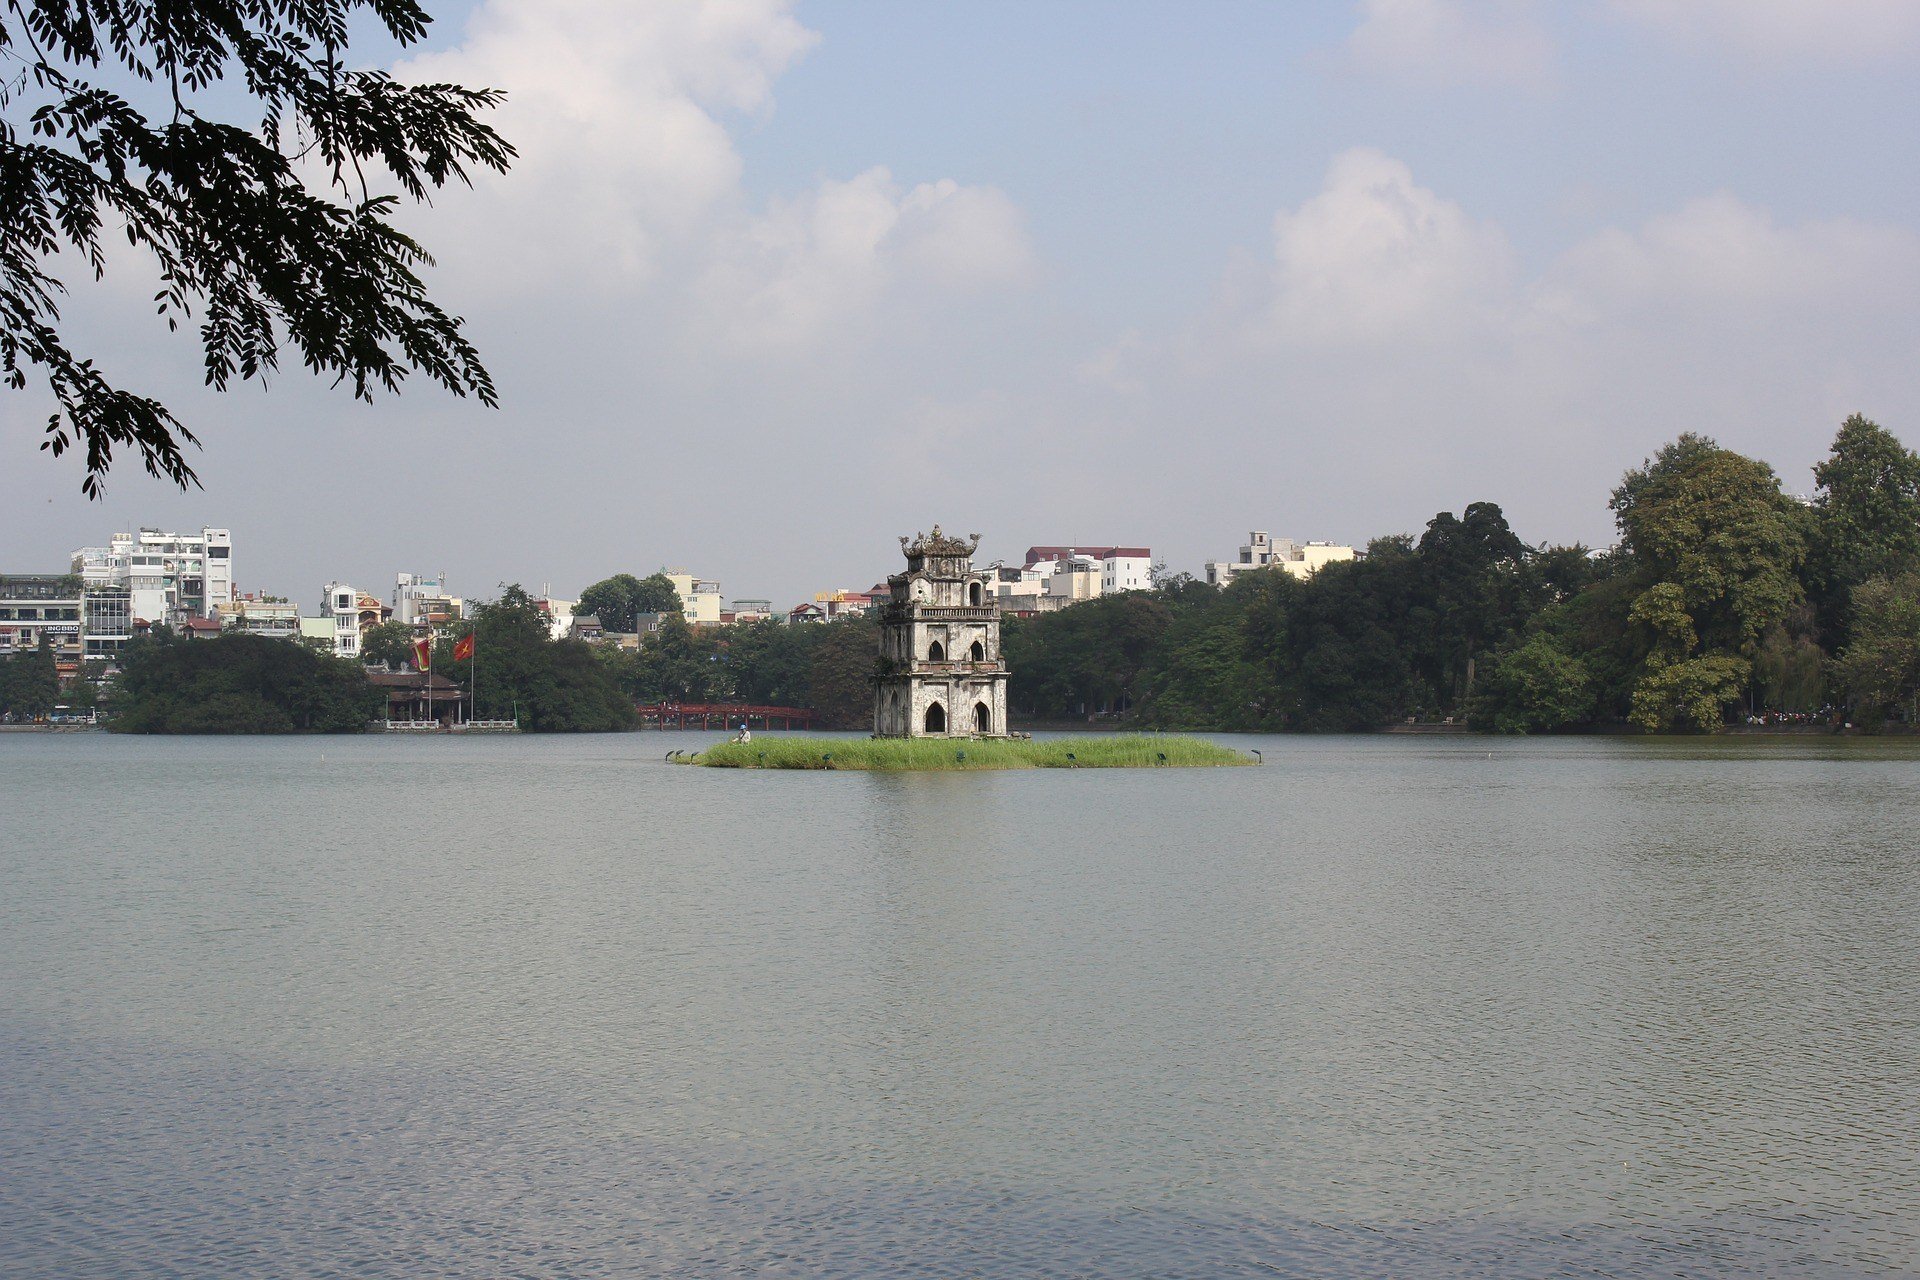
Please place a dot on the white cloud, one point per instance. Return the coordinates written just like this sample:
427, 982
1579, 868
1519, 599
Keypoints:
1833, 30
613, 109
1375, 256
811, 266
628, 181
1453, 41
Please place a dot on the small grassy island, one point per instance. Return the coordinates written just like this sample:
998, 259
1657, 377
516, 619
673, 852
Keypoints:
903, 755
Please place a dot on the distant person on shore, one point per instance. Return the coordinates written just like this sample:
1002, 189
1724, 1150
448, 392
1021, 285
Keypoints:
745, 734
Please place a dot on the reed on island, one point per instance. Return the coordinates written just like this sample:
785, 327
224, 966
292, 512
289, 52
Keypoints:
1120, 751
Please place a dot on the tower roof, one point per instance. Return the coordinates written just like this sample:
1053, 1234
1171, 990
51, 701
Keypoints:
939, 544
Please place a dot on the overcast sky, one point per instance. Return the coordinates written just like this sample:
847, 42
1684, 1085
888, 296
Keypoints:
775, 283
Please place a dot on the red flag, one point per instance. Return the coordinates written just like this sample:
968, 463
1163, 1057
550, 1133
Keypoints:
422, 654
463, 648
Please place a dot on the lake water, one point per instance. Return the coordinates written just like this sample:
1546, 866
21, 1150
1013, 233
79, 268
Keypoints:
550, 1007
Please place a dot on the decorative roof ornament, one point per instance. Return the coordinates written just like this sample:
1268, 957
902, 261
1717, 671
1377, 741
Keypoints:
939, 544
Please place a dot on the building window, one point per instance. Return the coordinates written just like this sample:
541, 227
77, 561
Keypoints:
936, 719
936, 652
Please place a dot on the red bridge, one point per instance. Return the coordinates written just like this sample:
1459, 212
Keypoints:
721, 715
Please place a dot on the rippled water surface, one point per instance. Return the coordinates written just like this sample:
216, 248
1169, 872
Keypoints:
549, 1007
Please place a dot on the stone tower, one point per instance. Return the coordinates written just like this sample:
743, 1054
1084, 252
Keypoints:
941, 674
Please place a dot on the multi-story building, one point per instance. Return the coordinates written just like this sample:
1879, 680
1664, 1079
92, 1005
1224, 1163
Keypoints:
1263, 551
420, 601
559, 616
257, 615
106, 619
168, 576
747, 610
354, 613
35, 606
1074, 578
1019, 590
842, 602
1121, 568
699, 598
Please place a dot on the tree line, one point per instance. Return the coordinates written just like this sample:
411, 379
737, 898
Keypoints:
1724, 599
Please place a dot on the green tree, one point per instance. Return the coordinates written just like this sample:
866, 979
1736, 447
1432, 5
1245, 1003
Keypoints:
228, 211
83, 694
1716, 551
1789, 668
1879, 670
771, 663
240, 684
1533, 686
390, 643
1866, 518
682, 663
620, 600
657, 594
552, 686
840, 682
611, 600
32, 682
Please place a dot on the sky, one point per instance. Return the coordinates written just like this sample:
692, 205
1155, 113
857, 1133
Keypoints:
775, 283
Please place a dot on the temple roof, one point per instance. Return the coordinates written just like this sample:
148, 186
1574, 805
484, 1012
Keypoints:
939, 544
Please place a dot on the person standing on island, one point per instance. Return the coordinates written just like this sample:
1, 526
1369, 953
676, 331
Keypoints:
745, 734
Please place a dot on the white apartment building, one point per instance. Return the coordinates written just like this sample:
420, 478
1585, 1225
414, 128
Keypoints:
353, 613
1055, 576
559, 616
419, 600
1263, 551
169, 577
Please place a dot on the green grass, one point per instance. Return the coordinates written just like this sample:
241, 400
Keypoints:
1128, 751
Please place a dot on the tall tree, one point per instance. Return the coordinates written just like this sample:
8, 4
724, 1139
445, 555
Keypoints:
1716, 549
552, 686
620, 600
612, 600
115, 128
390, 643
1866, 518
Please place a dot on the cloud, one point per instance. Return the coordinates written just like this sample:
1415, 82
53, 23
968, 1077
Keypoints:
1450, 42
1394, 341
1720, 256
629, 184
1777, 30
615, 109
1375, 256
810, 267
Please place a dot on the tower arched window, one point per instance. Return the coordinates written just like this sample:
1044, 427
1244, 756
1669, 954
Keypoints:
982, 718
936, 652
936, 719
973, 594
978, 652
